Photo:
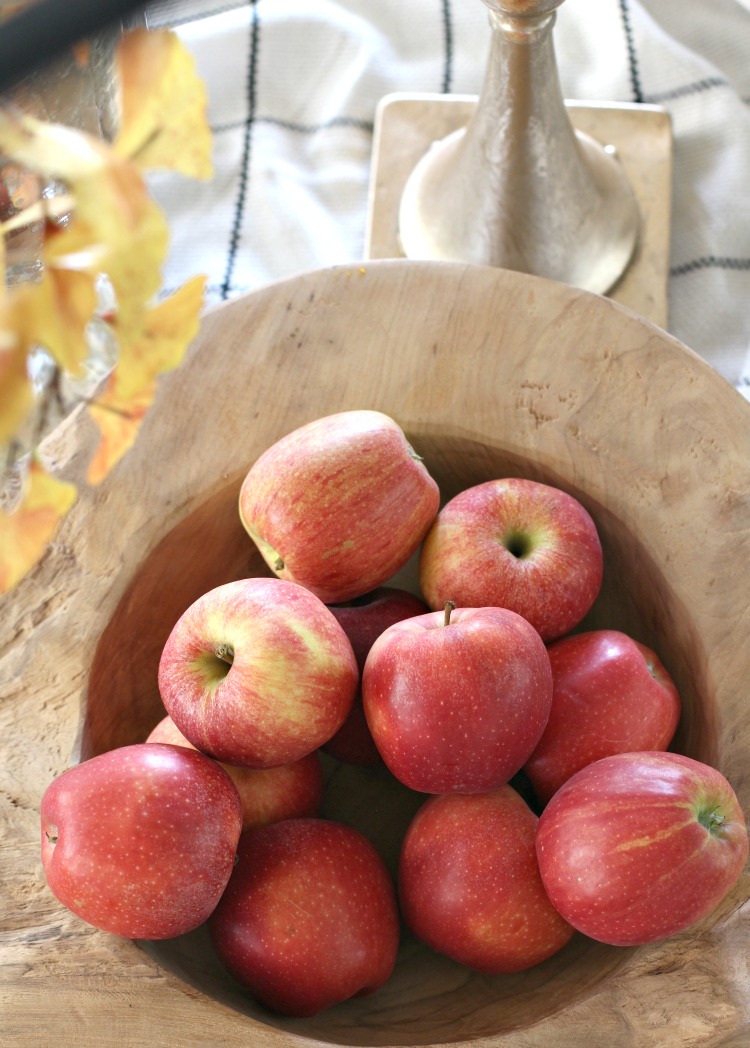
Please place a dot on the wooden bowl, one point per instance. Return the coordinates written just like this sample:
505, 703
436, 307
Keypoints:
490, 373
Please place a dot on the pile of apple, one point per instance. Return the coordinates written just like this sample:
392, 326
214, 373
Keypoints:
461, 692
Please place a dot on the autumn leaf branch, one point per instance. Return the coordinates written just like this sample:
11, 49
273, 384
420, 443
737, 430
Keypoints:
103, 245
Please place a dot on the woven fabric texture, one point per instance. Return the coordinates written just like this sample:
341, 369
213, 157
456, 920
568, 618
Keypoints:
293, 88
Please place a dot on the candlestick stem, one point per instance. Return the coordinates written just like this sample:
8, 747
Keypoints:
518, 187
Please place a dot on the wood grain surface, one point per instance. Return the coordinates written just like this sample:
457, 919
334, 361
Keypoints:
490, 373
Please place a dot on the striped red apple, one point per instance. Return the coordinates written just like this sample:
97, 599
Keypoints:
518, 544
639, 846
340, 504
258, 672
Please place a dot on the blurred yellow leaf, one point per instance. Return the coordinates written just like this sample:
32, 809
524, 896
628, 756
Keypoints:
118, 412
162, 105
116, 228
60, 306
102, 222
118, 430
136, 246
25, 533
15, 386
52, 150
171, 326
4, 199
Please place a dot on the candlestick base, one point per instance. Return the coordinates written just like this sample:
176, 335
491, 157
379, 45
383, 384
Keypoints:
406, 125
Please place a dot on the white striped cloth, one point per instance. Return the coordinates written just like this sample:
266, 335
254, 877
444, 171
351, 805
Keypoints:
293, 88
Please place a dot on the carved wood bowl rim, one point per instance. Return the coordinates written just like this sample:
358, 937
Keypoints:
485, 370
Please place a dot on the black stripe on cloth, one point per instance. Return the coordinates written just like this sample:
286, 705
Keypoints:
239, 207
218, 289
301, 129
696, 87
448, 47
710, 262
209, 290
635, 76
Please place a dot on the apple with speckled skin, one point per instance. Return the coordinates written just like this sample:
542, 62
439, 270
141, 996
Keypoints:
637, 847
457, 700
363, 619
309, 917
258, 672
517, 544
340, 504
140, 841
610, 694
469, 883
287, 791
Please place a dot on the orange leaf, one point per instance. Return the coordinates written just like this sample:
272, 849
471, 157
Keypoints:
5, 205
119, 230
58, 309
116, 227
118, 429
25, 533
170, 327
16, 394
118, 412
162, 105
133, 260
51, 150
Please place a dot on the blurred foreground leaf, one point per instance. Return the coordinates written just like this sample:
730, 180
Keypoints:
25, 533
98, 226
119, 410
163, 105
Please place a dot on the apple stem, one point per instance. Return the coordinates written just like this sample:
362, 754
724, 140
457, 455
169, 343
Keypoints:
225, 652
450, 606
711, 820
51, 837
278, 564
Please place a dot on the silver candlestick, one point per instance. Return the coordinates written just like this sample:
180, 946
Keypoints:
518, 187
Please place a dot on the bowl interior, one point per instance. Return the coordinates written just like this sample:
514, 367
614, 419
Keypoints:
429, 999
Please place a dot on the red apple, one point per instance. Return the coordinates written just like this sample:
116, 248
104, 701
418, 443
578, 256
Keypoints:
340, 504
258, 672
363, 619
639, 846
469, 883
456, 702
309, 917
610, 694
287, 791
140, 841
515, 544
